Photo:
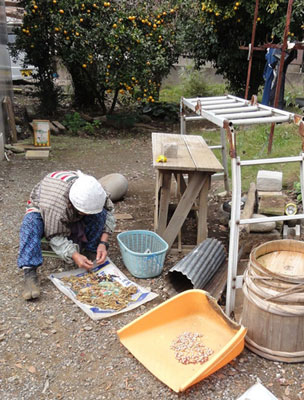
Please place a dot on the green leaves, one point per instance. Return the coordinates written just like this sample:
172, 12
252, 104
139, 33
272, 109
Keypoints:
109, 48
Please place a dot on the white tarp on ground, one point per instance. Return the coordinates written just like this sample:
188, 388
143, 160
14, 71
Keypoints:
142, 295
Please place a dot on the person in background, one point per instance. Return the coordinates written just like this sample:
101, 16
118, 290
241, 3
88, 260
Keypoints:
268, 75
271, 70
75, 214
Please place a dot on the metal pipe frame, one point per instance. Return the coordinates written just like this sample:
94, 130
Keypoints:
270, 219
213, 110
234, 228
242, 112
231, 96
278, 160
234, 280
194, 118
182, 117
255, 121
251, 114
229, 101
237, 109
225, 106
224, 158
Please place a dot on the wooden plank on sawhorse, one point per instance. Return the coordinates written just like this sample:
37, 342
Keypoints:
164, 201
184, 206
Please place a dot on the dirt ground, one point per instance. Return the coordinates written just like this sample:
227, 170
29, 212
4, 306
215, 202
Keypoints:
49, 348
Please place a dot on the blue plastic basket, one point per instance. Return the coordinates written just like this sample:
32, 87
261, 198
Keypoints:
143, 252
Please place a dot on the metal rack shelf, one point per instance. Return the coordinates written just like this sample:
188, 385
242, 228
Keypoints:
226, 112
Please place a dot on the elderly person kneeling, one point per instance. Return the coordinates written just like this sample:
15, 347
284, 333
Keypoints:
74, 213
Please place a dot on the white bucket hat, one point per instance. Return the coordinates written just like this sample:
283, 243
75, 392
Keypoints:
87, 195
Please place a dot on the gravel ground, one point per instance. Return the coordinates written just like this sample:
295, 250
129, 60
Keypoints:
50, 349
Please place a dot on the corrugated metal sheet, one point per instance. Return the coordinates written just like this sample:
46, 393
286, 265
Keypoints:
198, 267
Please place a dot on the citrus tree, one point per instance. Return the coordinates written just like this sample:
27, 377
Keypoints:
214, 30
111, 49
36, 40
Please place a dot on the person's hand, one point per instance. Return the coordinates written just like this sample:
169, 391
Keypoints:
82, 261
101, 254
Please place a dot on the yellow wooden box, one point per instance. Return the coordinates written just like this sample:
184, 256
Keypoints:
41, 133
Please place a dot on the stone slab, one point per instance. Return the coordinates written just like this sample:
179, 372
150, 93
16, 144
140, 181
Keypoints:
28, 146
262, 193
269, 181
37, 154
262, 226
272, 205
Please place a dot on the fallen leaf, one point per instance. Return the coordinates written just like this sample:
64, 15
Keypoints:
32, 369
108, 386
127, 385
287, 391
18, 365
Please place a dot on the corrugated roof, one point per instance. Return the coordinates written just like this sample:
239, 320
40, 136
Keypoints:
198, 267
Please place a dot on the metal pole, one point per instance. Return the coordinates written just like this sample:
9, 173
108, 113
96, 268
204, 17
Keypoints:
224, 159
234, 232
251, 47
182, 117
278, 88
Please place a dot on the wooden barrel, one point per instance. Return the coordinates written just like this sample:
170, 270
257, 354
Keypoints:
273, 308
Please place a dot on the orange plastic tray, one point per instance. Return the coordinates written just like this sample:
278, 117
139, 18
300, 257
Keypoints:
150, 336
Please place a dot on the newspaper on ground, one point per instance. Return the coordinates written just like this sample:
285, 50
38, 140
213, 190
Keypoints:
105, 273
257, 392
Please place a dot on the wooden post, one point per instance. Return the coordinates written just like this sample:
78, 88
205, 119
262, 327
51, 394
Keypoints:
202, 228
9, 112
249, 207
280, 72
164, 201
183, 208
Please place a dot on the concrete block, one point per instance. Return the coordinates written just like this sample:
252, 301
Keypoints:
170, 150
291, 232
269, 181
261, 226
37, 154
